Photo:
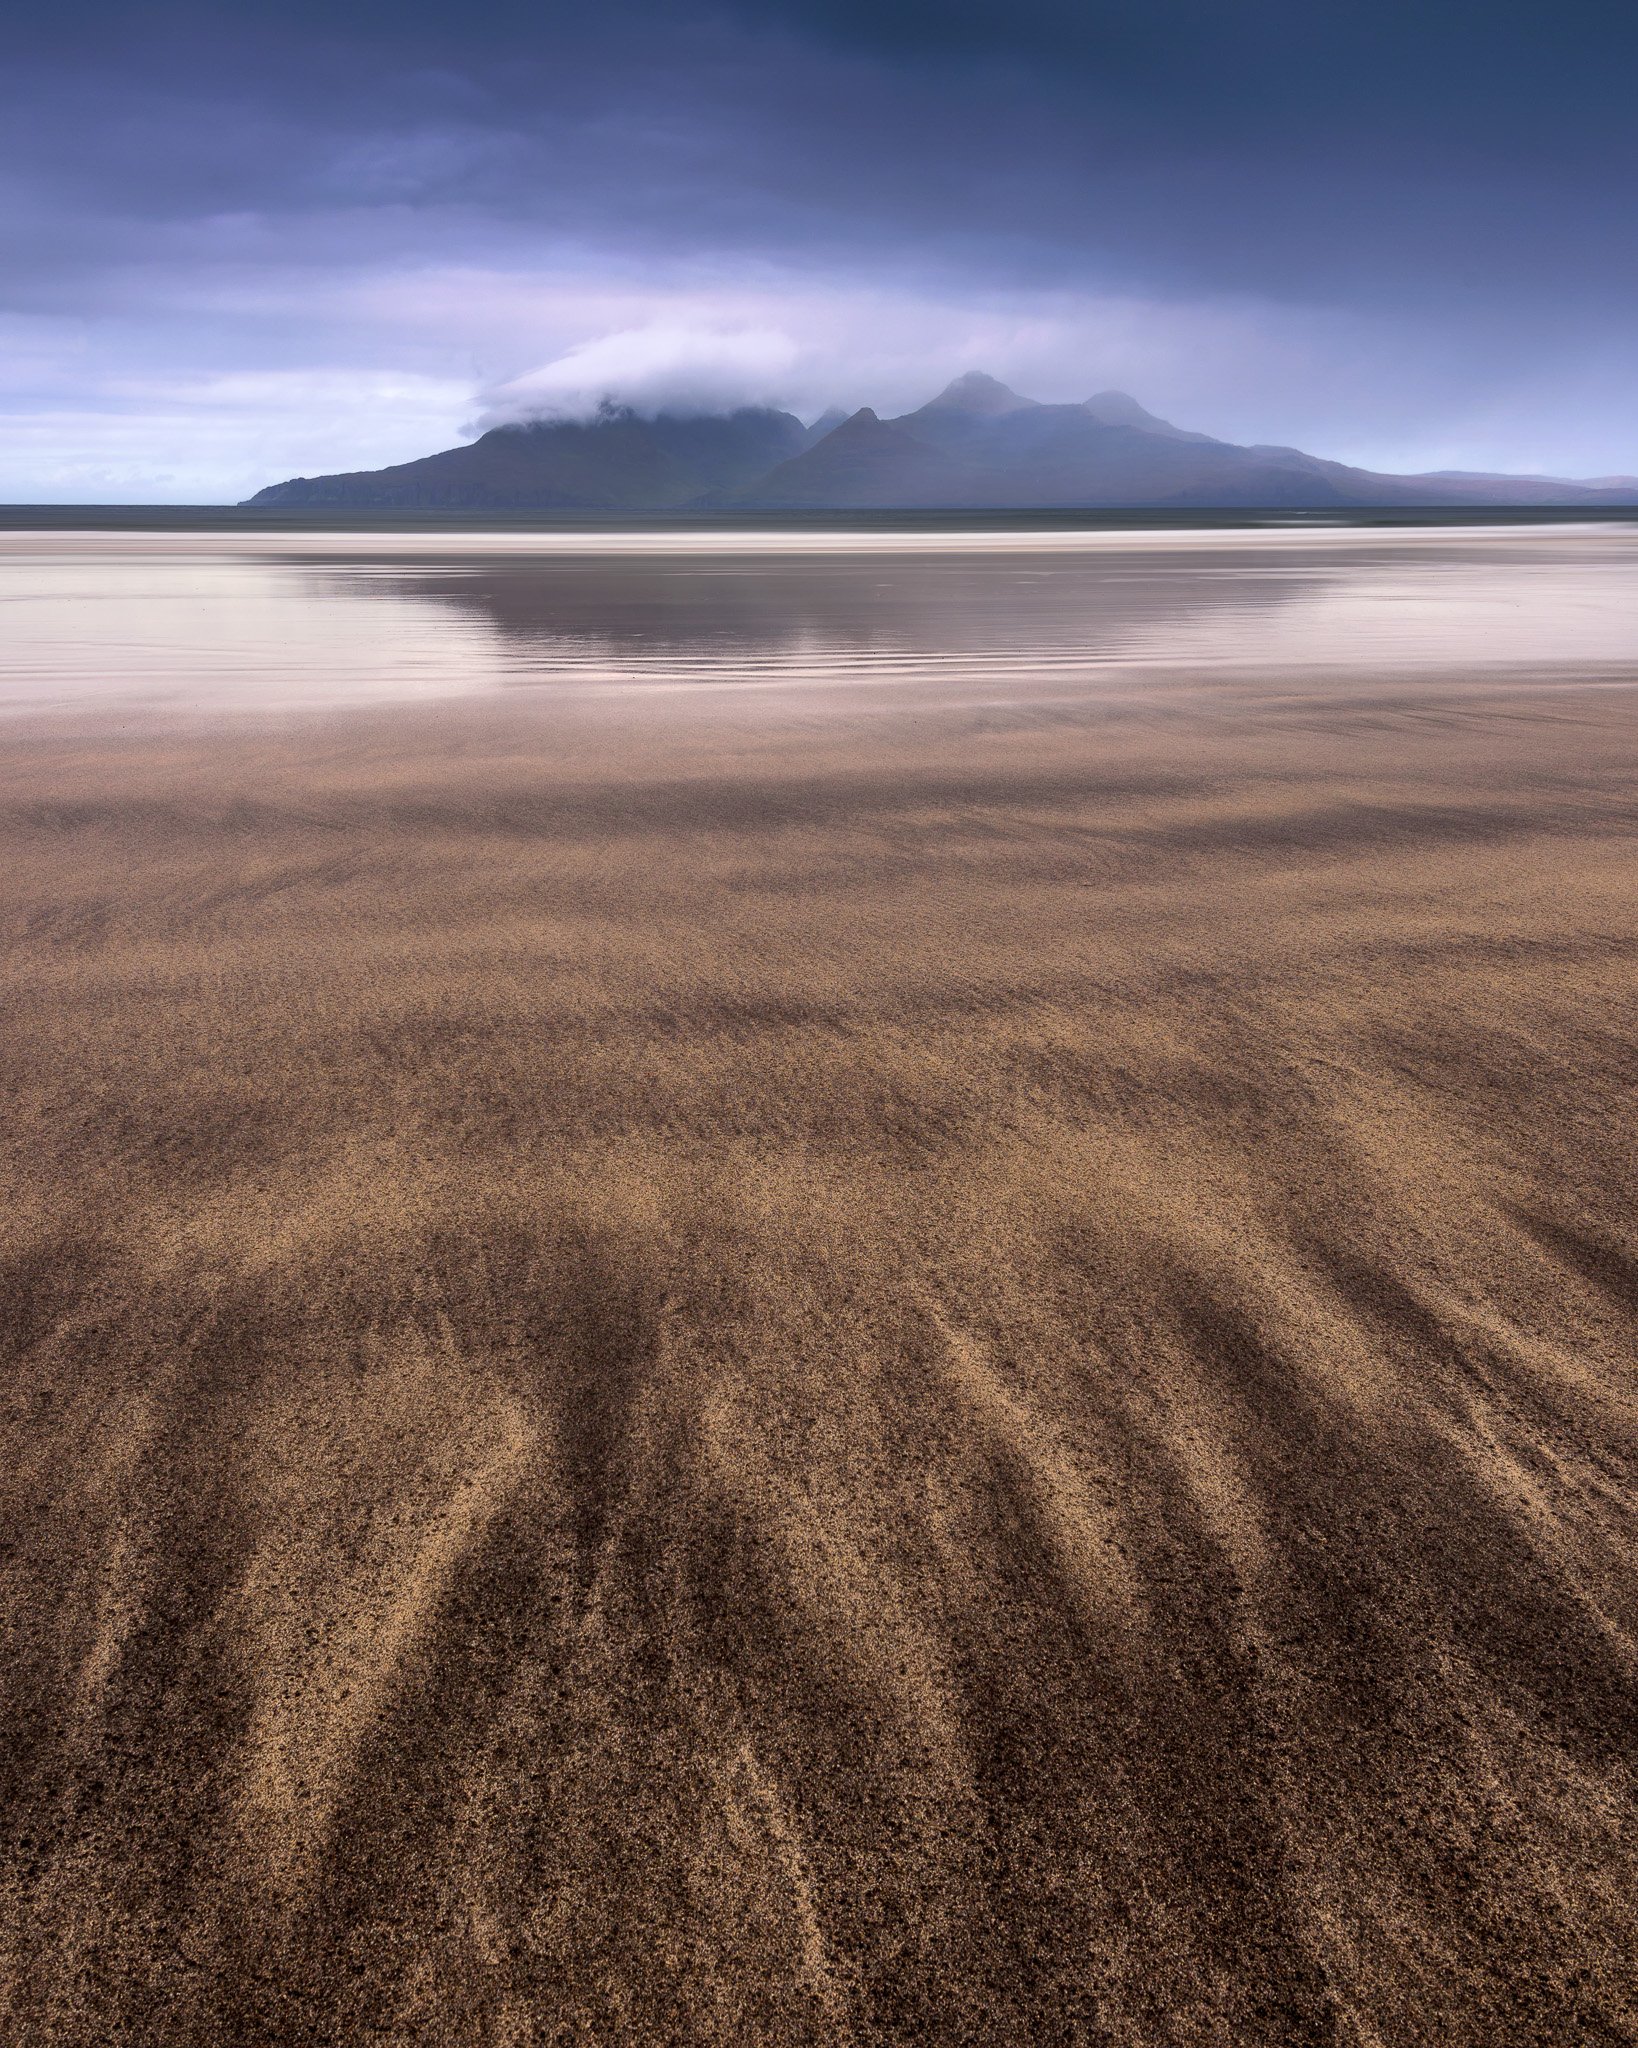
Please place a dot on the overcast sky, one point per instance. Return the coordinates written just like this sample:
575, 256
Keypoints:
248, 241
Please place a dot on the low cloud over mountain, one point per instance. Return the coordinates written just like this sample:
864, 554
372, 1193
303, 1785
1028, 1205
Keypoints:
667, 368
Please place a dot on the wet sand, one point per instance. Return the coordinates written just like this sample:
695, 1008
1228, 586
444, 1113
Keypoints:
851, 1367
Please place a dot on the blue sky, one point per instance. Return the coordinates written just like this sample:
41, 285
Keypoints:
252, 241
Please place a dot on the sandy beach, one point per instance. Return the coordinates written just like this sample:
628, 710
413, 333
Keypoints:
852, 1366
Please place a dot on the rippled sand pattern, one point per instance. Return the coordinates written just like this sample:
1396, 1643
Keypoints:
926, 1369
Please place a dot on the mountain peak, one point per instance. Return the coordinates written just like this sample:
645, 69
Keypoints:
977, 393
1121, 409
827, 423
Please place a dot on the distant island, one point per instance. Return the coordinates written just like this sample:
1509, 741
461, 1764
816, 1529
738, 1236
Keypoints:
975, 447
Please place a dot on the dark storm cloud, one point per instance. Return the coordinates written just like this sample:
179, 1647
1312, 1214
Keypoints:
1433, 147
1464, 174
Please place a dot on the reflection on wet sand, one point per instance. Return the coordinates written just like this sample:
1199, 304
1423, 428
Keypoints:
240, 623
829, 617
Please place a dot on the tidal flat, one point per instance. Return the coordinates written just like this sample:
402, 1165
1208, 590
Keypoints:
820, 1289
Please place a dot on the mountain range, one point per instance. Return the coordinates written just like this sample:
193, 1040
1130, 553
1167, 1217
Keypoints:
976, 446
